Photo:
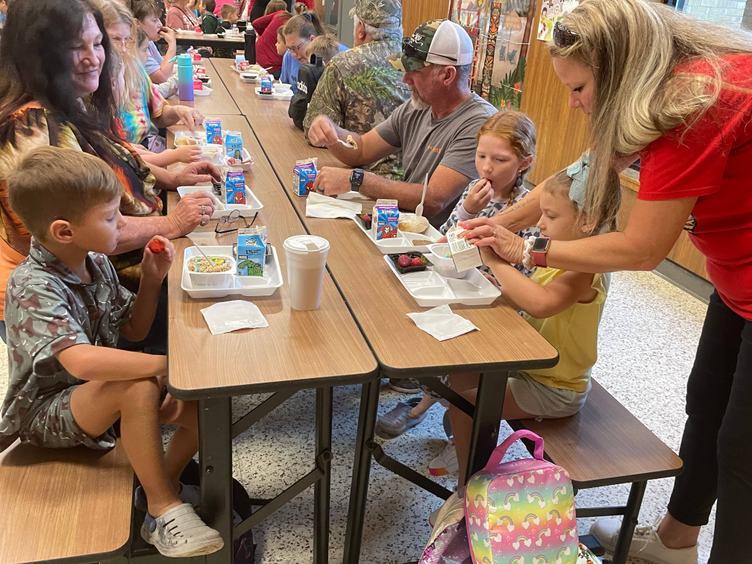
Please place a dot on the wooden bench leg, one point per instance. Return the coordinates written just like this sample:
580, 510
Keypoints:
632, 511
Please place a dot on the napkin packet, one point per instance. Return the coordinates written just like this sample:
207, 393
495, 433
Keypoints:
225, 317
464, 254
441, 323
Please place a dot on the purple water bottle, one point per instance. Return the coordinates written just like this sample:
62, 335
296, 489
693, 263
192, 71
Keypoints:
185, 78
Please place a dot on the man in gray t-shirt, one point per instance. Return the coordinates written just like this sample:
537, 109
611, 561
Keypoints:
436, 130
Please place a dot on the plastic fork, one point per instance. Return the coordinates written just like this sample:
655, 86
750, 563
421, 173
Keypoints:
419, 207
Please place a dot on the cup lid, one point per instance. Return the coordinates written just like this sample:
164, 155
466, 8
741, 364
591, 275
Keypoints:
306, 244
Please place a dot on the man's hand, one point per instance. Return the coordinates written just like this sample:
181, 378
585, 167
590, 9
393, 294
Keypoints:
478, 196
323, 132
158, 256
331, 181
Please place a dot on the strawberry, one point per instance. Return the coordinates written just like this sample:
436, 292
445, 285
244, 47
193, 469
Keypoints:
417, 261
404, 261
156, 246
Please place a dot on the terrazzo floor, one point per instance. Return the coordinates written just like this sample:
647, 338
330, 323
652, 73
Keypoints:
648, 337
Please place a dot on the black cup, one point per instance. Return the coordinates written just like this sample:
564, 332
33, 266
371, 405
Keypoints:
242, 25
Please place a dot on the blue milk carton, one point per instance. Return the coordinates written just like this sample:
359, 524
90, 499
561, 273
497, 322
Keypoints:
385, 222
251, 251
303, 176
235, 188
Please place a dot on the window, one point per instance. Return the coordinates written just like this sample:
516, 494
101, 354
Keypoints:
732, 13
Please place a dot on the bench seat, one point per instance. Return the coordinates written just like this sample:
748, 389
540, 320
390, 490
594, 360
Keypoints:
72, 504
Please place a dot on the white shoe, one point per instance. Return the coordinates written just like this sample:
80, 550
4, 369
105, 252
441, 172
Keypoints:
180, 532
444, 463
646, 543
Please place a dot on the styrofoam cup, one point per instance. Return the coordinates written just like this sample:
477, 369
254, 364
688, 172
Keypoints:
306, 262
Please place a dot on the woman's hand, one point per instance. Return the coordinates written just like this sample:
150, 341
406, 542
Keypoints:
485, 233
190, 117
478, 196
196, 173
191, 211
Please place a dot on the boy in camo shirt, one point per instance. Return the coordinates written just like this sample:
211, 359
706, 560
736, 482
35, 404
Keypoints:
65, 310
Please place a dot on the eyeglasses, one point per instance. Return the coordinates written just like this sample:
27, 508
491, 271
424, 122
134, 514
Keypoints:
225, 222
564, 37
297, 47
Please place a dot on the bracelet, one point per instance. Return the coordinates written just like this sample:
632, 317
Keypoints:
527, 254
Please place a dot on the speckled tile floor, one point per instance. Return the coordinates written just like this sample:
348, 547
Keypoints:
648, 338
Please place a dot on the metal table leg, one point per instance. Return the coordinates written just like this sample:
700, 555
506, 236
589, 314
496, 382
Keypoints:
321, 489
369, 402
488, 408
215, 448
621, 551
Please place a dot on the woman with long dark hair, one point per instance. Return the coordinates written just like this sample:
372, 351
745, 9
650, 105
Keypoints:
56, 89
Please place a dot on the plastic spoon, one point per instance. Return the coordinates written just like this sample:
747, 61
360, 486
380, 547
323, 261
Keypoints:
419, 207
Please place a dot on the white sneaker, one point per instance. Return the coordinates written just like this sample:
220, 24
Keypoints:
646, 543
445, 463
180, 532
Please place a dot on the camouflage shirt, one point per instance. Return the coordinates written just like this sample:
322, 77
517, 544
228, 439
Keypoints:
48, 310
358, 90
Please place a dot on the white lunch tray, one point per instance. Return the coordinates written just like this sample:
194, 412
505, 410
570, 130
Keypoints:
275, 95
205, 91
221, 209
430, 289
242, 285
403, 242
245, 164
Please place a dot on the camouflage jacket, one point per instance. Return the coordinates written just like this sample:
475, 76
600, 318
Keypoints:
358, 90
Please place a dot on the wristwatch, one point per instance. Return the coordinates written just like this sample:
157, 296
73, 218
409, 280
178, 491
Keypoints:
356, 179
540, 251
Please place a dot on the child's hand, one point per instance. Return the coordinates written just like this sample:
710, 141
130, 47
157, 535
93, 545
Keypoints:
187, 154
478, 196
158, 256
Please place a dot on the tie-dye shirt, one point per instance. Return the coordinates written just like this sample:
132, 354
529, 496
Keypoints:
137, 115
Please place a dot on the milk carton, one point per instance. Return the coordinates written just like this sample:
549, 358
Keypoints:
251, 251
213, 128
234, 145
303, 176
385, 222
266, 85
464, 254
235, 187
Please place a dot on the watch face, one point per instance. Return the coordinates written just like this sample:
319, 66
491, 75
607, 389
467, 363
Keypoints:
540, 245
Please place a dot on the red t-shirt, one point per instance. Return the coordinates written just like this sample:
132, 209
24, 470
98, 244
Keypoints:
713, 162
266, 41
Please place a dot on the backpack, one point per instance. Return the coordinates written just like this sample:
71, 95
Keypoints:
521, 511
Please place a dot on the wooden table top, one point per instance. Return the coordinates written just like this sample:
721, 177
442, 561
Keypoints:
375, 296
218, 103
298, 347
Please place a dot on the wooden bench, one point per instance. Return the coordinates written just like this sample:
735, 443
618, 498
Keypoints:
72, 504
602, 445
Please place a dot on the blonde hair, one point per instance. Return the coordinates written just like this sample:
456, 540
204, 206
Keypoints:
515, 128
114, 13
602, 218
324, 46
53, 183
275, 6
634, 48
227, 10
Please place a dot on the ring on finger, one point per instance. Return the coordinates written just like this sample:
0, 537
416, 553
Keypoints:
202, 209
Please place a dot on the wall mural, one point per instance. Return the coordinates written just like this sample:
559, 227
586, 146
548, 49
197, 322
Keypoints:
501, 31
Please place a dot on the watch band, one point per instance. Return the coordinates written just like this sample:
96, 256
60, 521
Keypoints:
539, 252
356, 179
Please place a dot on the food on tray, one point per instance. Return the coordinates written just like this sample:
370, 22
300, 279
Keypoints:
156, 246
412, 223
186, 139
213, 264
409, 262
351, 141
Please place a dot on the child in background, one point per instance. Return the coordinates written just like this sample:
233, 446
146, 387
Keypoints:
165, 89
229, 13
65, 311
270, 44
324, 47
564, 307
319, 52
210, 23
505, 152
147, 14
290, 65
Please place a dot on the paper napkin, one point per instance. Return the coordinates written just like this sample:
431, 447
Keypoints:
441, 323
318, 205
224, 317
